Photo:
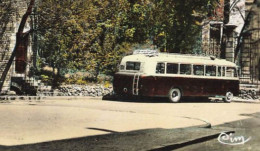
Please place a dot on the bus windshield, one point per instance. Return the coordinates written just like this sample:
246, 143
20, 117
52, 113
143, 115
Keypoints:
133, 65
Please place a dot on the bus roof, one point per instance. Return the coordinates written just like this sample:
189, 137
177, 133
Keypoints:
179, 58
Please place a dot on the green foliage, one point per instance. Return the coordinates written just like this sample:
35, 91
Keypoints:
93, 35
176, 23
72, 32
79, 81
45, 78
79, 78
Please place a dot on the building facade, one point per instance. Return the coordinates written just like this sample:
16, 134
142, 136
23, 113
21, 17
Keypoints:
249, 55
10, 18
231, 32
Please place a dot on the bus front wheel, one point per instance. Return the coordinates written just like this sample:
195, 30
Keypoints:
174, 95
229, 96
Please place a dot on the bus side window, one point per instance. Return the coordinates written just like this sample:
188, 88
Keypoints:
223, 71
160, 68
219, 71
236, 74
210, 70
172, 68
185, 69
231, 72
198, 70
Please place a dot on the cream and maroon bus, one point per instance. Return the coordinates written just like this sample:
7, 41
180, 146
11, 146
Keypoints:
176, 76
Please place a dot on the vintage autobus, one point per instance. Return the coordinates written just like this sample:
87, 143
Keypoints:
176, 76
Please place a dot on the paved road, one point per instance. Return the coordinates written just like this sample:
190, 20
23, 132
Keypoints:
80, 120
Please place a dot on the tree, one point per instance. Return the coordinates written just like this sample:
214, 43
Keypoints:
93, 35
176, 23
65, 32
72, 31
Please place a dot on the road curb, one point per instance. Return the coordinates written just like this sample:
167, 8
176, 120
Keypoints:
73, 97
206, 125
43, 98
246, 101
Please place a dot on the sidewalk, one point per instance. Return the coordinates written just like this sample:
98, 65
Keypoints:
238, 99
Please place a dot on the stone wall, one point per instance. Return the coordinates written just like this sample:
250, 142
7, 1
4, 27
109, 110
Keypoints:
83, 90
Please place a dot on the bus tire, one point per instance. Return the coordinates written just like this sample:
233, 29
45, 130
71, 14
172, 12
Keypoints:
228, 97
175, 95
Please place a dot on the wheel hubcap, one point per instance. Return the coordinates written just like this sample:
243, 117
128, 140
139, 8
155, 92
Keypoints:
229, 96
174, 94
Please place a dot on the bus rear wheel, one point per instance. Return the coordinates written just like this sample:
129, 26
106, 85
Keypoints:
229, 96
175, 95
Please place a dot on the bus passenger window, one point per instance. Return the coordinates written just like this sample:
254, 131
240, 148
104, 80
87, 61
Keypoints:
231, 72
223, 71
219, 72
133, 66
198, 70
185, 69
160, 68
235, 74
172, 68
210, 70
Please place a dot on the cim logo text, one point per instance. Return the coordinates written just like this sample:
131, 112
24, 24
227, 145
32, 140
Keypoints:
230, 139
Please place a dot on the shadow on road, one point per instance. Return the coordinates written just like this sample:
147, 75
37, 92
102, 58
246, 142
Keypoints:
147, 139
158, 99
135, 99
